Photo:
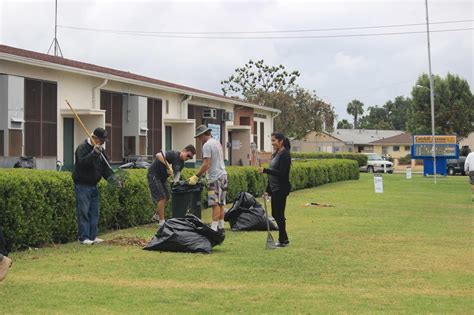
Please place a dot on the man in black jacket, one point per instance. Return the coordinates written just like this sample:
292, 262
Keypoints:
89, 168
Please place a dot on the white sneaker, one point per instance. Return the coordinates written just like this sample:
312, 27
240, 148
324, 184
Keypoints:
86, 242
97, 240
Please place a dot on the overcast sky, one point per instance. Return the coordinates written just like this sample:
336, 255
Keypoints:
373, 69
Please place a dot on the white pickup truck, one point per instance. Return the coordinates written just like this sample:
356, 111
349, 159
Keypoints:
377, 163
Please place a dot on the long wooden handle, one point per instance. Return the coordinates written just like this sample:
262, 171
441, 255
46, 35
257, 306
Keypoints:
81, 123
88, 133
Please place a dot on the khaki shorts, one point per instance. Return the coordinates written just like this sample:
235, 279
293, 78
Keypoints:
471, 177
216, 192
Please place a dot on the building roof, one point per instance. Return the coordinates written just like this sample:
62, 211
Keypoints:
44, 60
404, 138
363, 136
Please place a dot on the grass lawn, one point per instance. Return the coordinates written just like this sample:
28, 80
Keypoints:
408, 250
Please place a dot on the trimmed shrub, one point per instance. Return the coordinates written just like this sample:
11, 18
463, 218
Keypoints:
405, 160
360, 158
38, 207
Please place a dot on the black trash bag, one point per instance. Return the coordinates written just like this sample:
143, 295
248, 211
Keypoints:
183, 187
247, 214
135, 165
25, 162
188, 234
186, 199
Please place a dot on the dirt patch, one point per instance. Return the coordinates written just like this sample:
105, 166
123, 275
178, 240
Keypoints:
127, 241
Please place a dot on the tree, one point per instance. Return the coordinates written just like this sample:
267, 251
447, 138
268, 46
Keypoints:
312, 112
273, 86
398, 111
355, 108
254, 77
454, 106
344, 124
377, 118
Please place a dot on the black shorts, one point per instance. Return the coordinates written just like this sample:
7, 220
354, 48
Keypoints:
159, 190
471, 177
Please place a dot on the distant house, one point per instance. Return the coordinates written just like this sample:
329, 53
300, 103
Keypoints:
361, 140
468, 141
397, 146
318, 141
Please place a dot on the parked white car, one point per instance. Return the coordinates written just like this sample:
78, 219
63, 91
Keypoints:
377, 163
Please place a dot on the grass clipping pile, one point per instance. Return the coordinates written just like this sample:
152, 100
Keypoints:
127, 241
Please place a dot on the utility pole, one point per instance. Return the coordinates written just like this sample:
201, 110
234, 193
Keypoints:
57, 49
431, 93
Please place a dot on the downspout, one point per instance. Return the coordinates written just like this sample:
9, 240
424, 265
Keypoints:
94, 91
184, 102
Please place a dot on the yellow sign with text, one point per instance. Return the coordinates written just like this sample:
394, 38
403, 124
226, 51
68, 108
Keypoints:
438, 139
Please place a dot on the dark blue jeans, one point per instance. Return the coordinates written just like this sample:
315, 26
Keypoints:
87, 210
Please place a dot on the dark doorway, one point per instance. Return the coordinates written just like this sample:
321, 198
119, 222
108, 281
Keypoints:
168, 138
68, 144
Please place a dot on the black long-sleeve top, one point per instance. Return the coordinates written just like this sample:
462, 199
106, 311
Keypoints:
279, 172
90, 166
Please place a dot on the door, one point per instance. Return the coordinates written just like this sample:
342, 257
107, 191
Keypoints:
68, 144
168, 138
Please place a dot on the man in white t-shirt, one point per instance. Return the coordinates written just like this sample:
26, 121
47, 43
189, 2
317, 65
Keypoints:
213, 165
469, 170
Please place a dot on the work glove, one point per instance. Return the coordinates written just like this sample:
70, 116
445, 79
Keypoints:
98, 149
193, 180
170, 172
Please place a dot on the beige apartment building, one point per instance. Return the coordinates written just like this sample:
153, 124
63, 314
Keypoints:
142, 115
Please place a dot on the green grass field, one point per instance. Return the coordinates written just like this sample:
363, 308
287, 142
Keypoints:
408, 250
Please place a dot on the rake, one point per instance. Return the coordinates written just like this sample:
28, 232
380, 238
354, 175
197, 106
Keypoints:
270, 241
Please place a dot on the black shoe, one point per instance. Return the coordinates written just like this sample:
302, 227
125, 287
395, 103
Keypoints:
283, 244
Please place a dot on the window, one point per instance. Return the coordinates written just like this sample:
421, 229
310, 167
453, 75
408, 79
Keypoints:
167, 106
384, 149
155, 120
112, 104
262, 136
40, 118
254, 133
396, 148
129, 146
407, 148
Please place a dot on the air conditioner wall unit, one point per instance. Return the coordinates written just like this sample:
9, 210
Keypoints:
228, 116
209, 113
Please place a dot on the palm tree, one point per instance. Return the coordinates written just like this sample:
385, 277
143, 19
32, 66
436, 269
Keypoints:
355, 108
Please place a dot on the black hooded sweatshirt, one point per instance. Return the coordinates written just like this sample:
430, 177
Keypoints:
90, 166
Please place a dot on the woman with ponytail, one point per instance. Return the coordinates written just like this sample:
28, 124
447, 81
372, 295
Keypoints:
279, 183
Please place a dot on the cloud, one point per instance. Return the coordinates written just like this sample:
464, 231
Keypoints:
349, 64
372, 69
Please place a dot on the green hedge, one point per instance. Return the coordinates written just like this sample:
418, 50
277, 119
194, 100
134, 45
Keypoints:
360, 158
38, 207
